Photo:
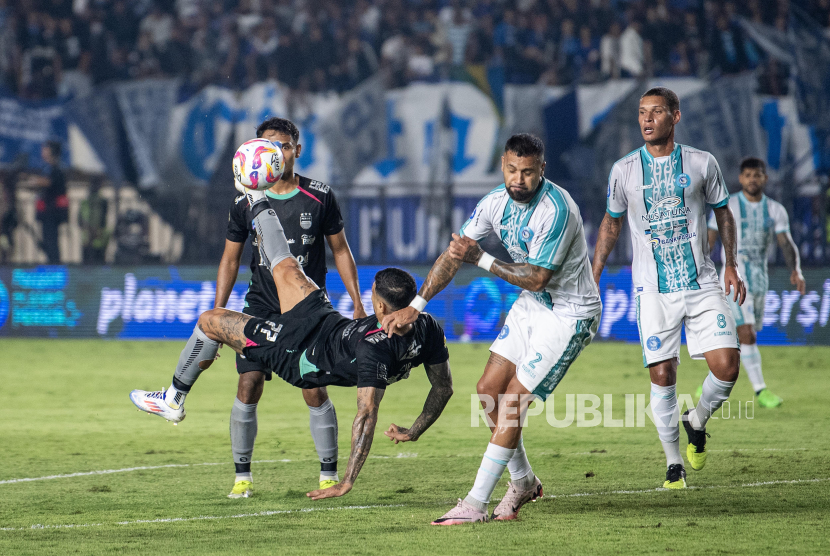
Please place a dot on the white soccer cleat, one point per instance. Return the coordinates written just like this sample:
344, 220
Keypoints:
153, 402
508, 508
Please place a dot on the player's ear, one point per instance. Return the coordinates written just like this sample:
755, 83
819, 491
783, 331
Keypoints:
676, 117
297, 150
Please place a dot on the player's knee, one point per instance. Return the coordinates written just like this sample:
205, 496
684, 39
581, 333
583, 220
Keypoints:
208, 321
315, 397
746, 335
250, 387
663, 374
487, 391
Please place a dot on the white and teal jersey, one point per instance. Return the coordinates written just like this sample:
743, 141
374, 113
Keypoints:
757, 226
545, 232
666, 200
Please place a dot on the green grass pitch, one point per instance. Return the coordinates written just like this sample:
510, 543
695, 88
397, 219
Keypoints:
66, 413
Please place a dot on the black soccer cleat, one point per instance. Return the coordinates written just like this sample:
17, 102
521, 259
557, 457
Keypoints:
675, 477
696, 450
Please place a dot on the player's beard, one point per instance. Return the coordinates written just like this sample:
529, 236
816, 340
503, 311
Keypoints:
523, 196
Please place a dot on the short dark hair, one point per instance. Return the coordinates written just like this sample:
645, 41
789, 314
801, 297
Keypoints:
525, 144
668, 95
753, 162
396, 287
280, 125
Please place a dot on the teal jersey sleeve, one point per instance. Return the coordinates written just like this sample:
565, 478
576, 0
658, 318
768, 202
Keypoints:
553, 235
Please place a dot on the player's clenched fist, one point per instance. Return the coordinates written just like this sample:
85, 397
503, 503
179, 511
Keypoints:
465, 249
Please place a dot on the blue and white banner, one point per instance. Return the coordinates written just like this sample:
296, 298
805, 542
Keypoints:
145, 108
25, 126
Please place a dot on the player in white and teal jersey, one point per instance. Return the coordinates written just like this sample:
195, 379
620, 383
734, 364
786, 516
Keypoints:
760, 223
665, 189
551, 322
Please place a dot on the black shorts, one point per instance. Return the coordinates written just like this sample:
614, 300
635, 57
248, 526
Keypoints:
277, 344
244, 365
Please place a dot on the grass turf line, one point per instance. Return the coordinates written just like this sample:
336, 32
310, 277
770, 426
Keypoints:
69, 413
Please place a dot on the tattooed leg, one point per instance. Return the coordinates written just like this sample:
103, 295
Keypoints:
226, 327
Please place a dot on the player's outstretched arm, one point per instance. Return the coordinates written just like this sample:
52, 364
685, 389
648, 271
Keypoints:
525, 275
788, 247
441, 380
728, 237
609, 232
363, 432
440, 275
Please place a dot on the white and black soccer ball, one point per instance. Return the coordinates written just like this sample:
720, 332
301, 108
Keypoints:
258, 164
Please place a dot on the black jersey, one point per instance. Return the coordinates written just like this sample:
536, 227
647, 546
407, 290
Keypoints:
313, 345
307, 214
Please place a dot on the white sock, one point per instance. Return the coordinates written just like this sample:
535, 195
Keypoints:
174, 398
715, 392
492, 466
244, 477
329, 476
666, 420
751, 358
519, 467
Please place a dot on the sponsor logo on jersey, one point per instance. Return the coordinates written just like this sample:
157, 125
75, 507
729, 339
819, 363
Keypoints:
378, 336
382, 372
643, 187
682, 238
308, 240
666, 209
609, 190
505, 331
289, 240
525, 233
319, 186
517, 254
684, 181
405, 370
305, 220
473, 215
413, 351
653, 343
303, 260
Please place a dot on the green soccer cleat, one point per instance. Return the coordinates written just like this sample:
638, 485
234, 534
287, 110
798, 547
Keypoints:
675, 477
328, 483
242, 489
696, 450
767, 399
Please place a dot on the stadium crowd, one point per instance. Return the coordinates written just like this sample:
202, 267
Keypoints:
52, 48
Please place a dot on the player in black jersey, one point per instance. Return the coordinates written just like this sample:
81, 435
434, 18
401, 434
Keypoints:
311, 345
310, 217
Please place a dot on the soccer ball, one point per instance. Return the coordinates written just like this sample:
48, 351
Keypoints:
258, 164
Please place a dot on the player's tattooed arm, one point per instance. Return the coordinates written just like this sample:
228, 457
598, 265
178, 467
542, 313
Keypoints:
439, 394
441, 274
526, 276
363, 432
790, 251
728, 238
609, 232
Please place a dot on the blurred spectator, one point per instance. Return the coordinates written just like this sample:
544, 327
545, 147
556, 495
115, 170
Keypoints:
92, 220
632, 57
52, 204
609, 48
158, 24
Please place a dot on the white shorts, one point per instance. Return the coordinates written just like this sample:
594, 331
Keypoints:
542, 344
709, 324
751, 312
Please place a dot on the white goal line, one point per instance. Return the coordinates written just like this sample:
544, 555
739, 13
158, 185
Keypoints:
402, 455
